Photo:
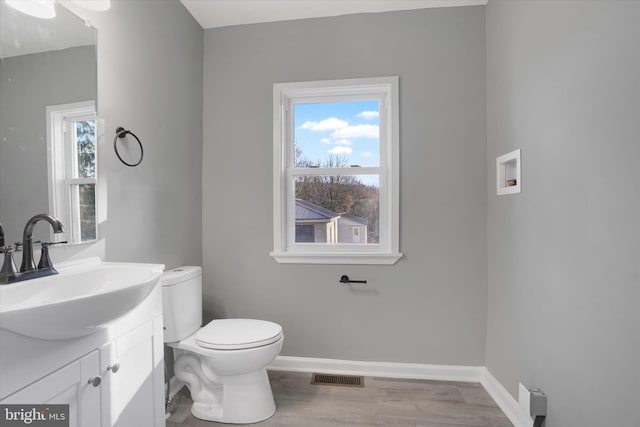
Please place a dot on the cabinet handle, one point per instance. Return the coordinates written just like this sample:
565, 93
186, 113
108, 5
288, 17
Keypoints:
113, 368
95, 381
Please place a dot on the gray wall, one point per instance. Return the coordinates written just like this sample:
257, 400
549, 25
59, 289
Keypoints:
431, 306
28, 84
149, 81
564, 255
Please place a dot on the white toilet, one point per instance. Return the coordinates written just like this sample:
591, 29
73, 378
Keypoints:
222, 363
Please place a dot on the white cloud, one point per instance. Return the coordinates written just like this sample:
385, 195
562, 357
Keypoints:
342, 142
340, 149
367, 154
369, 115
357, 131
324, 125
335, 142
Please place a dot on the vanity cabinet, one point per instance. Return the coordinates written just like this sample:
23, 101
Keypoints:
119, 385
71, 385
134, 378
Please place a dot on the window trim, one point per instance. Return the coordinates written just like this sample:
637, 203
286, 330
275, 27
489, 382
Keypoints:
60, 164
285, 95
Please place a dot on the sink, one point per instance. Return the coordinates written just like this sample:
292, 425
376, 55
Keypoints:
79, 301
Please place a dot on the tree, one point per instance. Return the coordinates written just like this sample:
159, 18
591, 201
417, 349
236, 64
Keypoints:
86, 154
86, 140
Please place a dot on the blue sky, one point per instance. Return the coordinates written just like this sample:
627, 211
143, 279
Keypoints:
348, 129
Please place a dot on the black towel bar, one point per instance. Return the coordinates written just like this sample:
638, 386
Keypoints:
345, 279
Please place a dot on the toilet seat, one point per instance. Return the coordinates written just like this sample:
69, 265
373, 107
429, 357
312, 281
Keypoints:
237, 334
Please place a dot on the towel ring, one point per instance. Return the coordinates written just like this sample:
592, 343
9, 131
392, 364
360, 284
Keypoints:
121, 133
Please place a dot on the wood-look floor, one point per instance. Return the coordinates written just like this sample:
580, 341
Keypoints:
382, 402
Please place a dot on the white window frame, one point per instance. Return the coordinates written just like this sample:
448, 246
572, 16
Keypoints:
285, 96
61, 164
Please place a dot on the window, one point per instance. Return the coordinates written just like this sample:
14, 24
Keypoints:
305, 233
336, 172
71, 143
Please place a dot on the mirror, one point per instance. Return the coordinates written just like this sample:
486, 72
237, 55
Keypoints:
44, 64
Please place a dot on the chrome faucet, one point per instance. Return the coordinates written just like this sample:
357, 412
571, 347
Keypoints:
27, 251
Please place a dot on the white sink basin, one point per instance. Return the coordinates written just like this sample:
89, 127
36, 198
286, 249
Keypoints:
77, 302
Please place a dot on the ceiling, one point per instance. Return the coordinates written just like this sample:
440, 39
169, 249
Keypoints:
223, 13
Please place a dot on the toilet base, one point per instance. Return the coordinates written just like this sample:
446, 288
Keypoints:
227, 386
245, 398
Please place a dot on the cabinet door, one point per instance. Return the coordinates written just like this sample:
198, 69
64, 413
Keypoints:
133, 393
68, 385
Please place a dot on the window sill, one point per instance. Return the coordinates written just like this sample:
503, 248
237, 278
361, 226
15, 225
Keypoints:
336, 258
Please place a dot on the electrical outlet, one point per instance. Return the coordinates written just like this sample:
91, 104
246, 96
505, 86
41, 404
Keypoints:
537, 404
532, 402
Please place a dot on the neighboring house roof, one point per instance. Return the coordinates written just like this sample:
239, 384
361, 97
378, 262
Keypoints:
356, 218
309, 211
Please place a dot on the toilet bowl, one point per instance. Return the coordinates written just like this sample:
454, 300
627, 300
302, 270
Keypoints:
222, 363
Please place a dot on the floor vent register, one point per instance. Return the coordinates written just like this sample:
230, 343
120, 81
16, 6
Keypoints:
337, 380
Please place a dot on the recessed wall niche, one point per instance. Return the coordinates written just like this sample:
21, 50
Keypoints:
508, 175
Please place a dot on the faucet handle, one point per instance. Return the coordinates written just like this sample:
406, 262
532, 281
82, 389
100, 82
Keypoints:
9, 268
45, 260
17, 246
47, 244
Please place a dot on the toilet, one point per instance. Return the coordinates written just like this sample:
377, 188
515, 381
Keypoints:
223, 363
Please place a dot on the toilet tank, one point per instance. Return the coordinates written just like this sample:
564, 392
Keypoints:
181, 302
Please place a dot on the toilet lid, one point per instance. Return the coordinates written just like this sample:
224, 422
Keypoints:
235, 334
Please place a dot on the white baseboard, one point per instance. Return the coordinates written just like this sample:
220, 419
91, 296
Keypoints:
379, 369
505, 401
475, 374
